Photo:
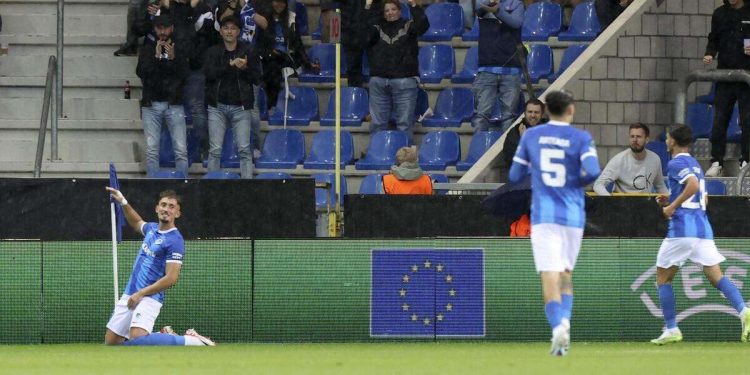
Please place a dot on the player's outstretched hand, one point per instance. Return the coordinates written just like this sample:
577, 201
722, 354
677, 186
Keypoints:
117, 195
134, 300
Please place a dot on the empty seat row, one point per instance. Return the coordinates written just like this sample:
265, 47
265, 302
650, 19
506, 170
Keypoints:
700, 118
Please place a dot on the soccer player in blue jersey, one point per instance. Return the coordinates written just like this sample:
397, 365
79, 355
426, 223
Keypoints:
689, 236
562, 160
156, 269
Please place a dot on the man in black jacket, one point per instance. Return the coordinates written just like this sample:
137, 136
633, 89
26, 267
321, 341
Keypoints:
533, 115
231, 70
729, 43
163, 67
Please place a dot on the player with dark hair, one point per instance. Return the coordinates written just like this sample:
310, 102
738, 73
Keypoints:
156, 269
562, 160
690, 236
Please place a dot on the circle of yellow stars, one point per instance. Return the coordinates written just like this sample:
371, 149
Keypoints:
439, 268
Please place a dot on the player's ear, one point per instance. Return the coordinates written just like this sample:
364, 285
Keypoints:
178, 212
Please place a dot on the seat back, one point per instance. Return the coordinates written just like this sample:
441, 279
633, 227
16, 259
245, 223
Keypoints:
166, 152
384, 144
166, 174
262, 104
230, 154
300, 110
273, 176
321, 195
436, 61
300, 18
372, 184
446, 21
439, 148
221, 175
283, 145
480, 143
541, 20
540, 62
700, 118
471, 65
455, 103
325, 55
584, 24
354, 106
569, 56
323, 148
473, 34
715, 187
660, 148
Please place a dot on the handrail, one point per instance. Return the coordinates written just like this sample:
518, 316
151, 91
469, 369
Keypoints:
720, 75
51, 71
58, 107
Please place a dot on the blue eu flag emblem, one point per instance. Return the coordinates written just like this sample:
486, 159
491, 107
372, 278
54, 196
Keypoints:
427, 293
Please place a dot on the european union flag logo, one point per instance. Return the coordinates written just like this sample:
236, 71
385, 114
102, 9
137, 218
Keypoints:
427, 293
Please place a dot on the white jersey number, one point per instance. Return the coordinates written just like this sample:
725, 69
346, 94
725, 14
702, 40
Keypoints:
692, 204
553, 174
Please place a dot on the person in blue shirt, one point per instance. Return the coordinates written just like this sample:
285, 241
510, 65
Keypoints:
562, 160
690, 236
156, 269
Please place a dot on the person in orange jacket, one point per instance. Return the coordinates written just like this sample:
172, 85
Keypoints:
406, 176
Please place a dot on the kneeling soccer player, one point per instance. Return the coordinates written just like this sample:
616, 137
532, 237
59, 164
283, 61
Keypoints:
690, 236
156, 268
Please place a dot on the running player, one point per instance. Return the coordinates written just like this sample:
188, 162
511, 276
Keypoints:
562, 160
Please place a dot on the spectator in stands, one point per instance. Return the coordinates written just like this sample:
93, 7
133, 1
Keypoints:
533, 115
729, 42
636, 170
280, 46
499, 73
138, 24
393, 52
231, 71
608, 10
163, 67
406, 176
353, 39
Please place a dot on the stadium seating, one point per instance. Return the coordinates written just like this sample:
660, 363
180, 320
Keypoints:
325, 55
323, 150
221, 175
381, 153
372, 184
700, 118
301, 18
315, 35
715, 187
480, 143
321, 195
423, 102
569, 56
660, 148
454, 105
709, 97
439, 149
166, 152
446, 21
262, 104
584, 24
282, 149
439, 179
436, 61
301, 110
734, 133
541, 21
166, 174
473, 34
540, 62
471, 65
273, 176
354, 107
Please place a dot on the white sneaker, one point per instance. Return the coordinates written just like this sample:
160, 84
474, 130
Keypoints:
743, 164
745, 319
715, 170
669, 336
205, 340
560, 341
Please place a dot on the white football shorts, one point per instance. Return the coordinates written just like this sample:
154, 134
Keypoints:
143, 316
555, 247
675, 251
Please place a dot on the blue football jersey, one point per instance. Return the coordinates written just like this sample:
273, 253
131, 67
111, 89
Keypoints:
554, 153
689, 220
158, 249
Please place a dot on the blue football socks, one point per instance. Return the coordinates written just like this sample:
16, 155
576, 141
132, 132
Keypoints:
668, 305
157, 339
553, 310
733, 294
567, 305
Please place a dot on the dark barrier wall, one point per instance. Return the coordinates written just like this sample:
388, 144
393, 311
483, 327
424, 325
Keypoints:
78, 209
381, 216
320, 290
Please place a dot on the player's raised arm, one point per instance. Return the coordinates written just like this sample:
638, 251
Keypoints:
134, 220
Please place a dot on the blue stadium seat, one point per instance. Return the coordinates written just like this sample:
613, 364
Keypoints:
262, 104
230, 154
540, 62
325, 55
660, 148
584, 24
454, 105
300, 19
436, 61
446, 21
423, 102
273, 176
166, 152
167, 174
354, 107
221, 175
439, 149
473, 34
405, 11
439, 179
715, 187
709, 97
282, 149
700, 118
301, 110
569, 56
372, 184
321, 195
323, 150
734, 133
480, 143
541, 21
381, 153
471, 65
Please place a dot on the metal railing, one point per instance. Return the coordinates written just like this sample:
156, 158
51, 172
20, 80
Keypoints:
51, 72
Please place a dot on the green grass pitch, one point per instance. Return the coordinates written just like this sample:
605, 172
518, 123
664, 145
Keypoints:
377, 358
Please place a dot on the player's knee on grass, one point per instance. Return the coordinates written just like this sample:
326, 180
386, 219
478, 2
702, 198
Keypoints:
136, 332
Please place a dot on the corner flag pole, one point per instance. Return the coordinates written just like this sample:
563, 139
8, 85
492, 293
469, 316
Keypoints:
114, 250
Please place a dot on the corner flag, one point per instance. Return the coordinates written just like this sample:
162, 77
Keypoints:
119, 217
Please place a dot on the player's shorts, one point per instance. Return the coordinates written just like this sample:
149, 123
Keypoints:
555, 247
675, 251
143, 316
